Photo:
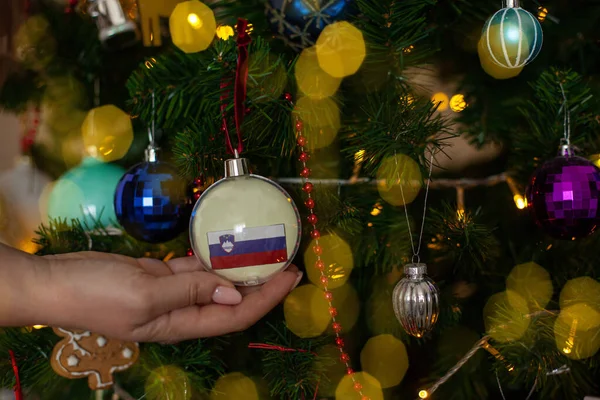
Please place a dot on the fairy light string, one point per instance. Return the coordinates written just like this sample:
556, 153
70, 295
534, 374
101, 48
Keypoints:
307, 188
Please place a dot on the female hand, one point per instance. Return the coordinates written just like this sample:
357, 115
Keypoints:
147, 299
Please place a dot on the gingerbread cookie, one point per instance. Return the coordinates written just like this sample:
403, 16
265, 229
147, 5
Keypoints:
83, 354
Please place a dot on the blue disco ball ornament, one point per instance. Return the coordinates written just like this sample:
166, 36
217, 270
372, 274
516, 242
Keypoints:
300, 22
152, 202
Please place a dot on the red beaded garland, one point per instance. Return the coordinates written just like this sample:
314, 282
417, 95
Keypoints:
339, 341
329, 295
309, 203
299, 125
288, 96
189, 252
333, 313
349, 371
320, 265
318, 250
308, 187
197, 195
305, 173
301, 141
303, 157
365, 398
315, 234
324, 280
337, 327
199, 181
312, 219
345, 357
357, 386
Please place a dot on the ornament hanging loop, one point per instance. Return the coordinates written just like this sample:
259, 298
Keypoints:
416, 259
152, 150
512, 4
567, 120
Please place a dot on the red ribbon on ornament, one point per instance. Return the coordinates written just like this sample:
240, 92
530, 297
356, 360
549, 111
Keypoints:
265, 346
18, 391
239, 88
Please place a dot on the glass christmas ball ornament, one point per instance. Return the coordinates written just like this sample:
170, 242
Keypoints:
245, 227
86, 193
563, 195
300, 22
416, 300
512, 37
152, 202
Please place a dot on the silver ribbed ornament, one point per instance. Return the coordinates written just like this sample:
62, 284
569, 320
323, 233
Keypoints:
416, 300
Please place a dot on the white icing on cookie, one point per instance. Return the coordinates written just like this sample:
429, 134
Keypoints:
127, 353
101, 341
72, 361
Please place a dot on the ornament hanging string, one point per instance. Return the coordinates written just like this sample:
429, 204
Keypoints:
151, 128
265, 346
239, 89
567, 119
18, 391
415, 258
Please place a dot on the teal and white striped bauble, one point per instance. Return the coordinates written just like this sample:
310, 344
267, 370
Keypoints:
513, 37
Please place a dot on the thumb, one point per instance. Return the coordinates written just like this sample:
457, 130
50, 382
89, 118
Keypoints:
186, 289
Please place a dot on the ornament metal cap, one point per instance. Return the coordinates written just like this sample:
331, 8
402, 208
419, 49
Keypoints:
512, 4
415, 270
151, 153
236, 167
565, 150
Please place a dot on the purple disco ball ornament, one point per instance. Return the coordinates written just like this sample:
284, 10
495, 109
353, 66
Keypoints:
562, 197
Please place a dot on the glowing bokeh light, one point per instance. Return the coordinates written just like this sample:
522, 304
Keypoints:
371, 388
577, 331
520, 201
505, 316
580, 290
192, 25
306, 311
321, 119
491, 68
224, 32
341, 49
168, 382
442, 99
333, 370
234, 386
398, 174
385, 358
107, 133
532, 283
423, 394
312, 80
337, 257
347, 303
542, 13
458, 103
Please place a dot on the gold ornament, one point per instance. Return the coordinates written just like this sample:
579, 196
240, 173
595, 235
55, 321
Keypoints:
192, 26
107, 133
341, 49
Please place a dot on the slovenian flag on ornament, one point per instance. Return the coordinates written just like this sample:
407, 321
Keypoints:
247, 247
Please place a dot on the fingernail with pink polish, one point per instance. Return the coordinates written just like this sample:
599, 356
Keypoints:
298, 279
226, 295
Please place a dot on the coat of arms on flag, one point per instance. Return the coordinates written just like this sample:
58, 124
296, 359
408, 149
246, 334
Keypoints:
249, 247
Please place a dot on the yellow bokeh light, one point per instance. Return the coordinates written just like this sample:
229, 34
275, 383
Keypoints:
107, 133
337, 259
442, 99
224, 32
341, 49
371, 388
577, 331
345, 300
398, 174
505, 316
312, 80
39, 326
327, 360
491, 68
385, 358
321, 119
542, 13
580, 290
193, 26
532, 283
520, 201
168, 382
423, 394
458, 103
375, 211
234, 386
379, 313
194, 21
306, 311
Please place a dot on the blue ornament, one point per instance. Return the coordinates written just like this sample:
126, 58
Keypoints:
86, 193
300, 22
512, 36
152, 202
